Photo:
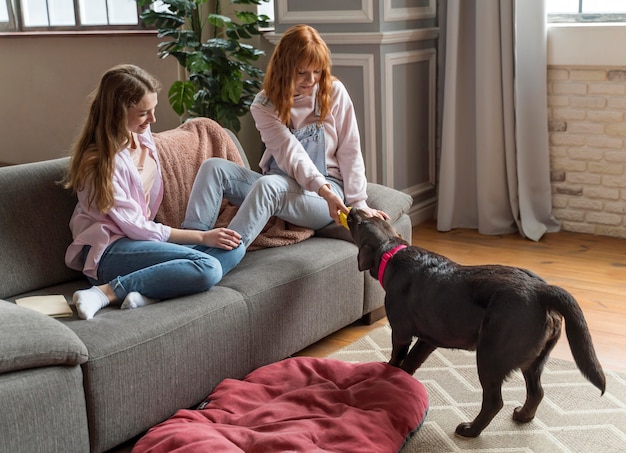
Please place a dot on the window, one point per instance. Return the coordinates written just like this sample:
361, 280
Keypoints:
58, 15
7, 21
586, 11
267, 8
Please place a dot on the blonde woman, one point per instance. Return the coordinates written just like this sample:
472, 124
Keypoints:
114, 169
312, 165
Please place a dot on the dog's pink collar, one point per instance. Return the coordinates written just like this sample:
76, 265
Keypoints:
385, 260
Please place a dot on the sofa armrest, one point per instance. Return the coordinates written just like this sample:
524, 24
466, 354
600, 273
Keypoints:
394, 202
242, 153
29, 339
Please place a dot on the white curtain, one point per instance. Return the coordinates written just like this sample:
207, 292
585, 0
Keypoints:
494, 169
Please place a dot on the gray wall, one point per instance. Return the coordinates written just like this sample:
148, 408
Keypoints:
45, 81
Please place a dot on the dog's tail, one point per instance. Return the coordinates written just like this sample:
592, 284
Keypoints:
578, 334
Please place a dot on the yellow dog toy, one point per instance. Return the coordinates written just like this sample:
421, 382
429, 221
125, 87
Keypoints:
343, 218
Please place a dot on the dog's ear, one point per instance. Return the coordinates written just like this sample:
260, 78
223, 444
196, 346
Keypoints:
366, 258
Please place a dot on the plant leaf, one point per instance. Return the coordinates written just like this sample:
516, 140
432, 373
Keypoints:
221, 79
219, 20
181, 96
247, 17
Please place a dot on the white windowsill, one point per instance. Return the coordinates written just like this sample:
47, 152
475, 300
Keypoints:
586, 44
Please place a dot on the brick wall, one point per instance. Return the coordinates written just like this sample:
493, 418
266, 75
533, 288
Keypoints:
587, 124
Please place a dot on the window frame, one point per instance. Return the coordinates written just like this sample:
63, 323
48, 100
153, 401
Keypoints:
10, 25
585, 17
16, 25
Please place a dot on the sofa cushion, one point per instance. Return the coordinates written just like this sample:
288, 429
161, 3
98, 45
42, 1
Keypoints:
146, 363
35, 211
43, 410
30, 339
300, 404
315, 283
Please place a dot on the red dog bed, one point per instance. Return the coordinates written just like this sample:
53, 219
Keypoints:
300, 404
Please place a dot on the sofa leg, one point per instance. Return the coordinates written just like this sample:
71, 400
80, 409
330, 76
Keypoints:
373, 316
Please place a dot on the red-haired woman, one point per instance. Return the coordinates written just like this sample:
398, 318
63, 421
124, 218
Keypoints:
312, 165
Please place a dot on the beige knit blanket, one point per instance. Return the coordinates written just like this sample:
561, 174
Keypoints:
181, 152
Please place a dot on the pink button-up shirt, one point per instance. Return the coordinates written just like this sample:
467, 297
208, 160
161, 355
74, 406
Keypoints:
130, 216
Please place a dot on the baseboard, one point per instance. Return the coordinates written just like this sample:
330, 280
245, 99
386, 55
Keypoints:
423, 211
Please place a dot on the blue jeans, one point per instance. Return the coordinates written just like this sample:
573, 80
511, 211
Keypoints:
162, 270
259, 197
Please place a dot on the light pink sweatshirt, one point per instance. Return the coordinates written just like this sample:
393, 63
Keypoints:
344, 160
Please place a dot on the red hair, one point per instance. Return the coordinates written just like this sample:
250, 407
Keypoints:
300, 47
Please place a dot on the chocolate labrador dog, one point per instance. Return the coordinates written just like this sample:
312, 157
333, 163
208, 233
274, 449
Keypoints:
509, 316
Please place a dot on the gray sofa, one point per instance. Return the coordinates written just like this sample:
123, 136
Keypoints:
68, 385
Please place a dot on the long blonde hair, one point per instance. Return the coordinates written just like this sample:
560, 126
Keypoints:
106, 133
300, 47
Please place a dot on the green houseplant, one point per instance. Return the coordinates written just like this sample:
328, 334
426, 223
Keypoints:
221, 77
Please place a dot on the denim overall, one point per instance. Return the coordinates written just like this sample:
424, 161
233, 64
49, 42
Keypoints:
312, 139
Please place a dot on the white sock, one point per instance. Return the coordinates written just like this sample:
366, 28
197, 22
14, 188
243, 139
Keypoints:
89, 301
135, 300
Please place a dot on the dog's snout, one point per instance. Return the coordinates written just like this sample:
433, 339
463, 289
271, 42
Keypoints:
353, 217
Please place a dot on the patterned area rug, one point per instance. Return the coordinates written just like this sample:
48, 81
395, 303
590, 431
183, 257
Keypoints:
571, 418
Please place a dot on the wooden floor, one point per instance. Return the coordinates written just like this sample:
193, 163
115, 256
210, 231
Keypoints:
592, 268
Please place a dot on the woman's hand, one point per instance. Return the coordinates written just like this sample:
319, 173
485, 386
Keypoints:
335, 203
222, 238
371, 212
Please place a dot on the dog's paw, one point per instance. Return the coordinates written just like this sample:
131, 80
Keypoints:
466, 430
522, 416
